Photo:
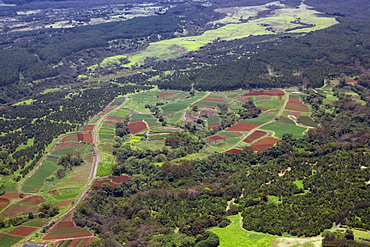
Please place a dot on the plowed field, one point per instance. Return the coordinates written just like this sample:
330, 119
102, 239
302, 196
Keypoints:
136, 127
242, 127
254, 136
22, 231
264, 144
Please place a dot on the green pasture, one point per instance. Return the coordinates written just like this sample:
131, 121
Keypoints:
105, 168
299, 183
234, 94
69, 193
285, 120
261, 119
307, 121
36, 181
121, 113
25, 102
281, 129
70, 150
208, 104
8, 240
106, 130
157, 138
49, 90
29, 143
270, 104
213, 120
234, 235
118, 100
231, 134
175, 118
274, 199
181, 105
162, 131
150, 145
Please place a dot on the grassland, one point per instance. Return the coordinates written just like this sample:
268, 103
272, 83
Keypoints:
234, 235
281, 129
8, 240
36, 181
261, 119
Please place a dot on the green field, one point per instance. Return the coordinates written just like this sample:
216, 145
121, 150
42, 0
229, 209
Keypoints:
261, 119
175, 118
281, 129
105, 168
36, 181
213, 120
181, 105
8, 240
307, 121
234, 235
121, 113
270, 104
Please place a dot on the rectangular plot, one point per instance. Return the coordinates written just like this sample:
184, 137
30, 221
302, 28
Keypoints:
281, 129
8, 241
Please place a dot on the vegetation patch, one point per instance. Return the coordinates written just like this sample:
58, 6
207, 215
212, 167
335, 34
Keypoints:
307, 121
261, 119
15, 210
35, 199
8, 240
234, 235
281, 129
295, 105
36, 181
69, 138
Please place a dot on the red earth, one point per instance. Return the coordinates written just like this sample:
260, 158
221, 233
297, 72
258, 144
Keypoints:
234, 151
63, 203
213, 125
214, 138
168, 95
293, 105
116, 119
120, 179
208, 113
105, 181
36, 199
4, 202
264, 144
294, 113
64, 146
106, 110
240, 126
76, 234
137, 126
244, 98
109, 123
272, 111
254, 136
88, 128
17, 209
214, 99
10, 195
69, 138
85, 137
189, 117
22, 231
54, 192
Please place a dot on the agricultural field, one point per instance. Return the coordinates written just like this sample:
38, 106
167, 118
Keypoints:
234, 235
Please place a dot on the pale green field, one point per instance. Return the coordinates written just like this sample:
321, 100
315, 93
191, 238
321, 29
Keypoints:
234, 235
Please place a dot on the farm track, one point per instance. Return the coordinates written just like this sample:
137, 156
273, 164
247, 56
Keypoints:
97, 159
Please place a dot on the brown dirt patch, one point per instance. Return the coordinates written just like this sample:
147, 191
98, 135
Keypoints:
54, 192
136, 127
215, 99
272, 111
10, 195
214, 138
22, 231
89, 127
120, 179
17, 209
85, 137
63, 203
243, 98
65, 225
189, 117
36, 199
82, 233
69, 138
104, 181
234, 151
295, 113
264, 144
106, 110
213, 125
64, 146
208, 113
116, 119
109, 123
254, 136
240, 126
4, 202
263, 97
297, 106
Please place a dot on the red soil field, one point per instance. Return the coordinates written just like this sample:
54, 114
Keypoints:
215, 99
120, 179
254, 136
10, 195
167, 95
54, 192
18, 209
106, 110
294, 113
85, 137
214, 138
22, 231
105, 181
64, 225
69, 235
4, 202
63, 203
136, 127
263, 97
234, 151
116, 119
109, 123
34, 199
294, 100
240, 126
272, 111
89, 127
64, 146
224, 137
213, 125
208, 113
69, 138
297, 107
243, 98
264, 144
